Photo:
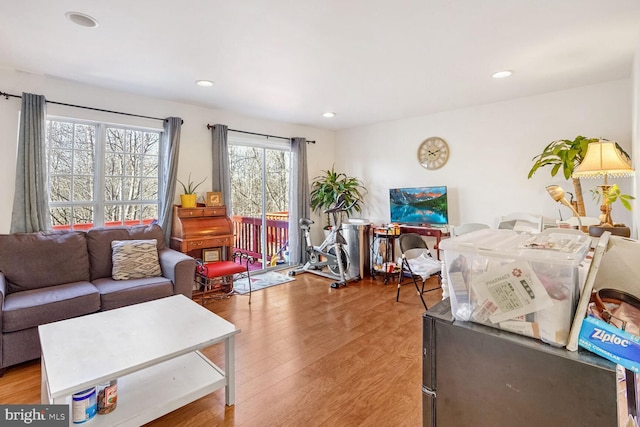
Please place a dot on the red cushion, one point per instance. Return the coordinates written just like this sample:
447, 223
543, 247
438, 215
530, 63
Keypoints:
220, 269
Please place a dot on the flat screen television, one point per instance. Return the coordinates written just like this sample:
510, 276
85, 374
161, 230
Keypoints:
419, 205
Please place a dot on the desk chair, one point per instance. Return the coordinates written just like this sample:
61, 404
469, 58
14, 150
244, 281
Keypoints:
522, 222
468, 227
417, 263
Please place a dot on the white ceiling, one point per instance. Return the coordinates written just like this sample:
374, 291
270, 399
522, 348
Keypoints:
292, 60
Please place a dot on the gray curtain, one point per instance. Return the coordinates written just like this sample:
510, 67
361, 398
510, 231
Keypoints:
171, 151
299, 200
221, 176
31, 196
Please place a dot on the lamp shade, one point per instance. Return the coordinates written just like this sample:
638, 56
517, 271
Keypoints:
603, 159
556, 192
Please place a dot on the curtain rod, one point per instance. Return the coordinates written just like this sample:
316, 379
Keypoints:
258, 134
7, 95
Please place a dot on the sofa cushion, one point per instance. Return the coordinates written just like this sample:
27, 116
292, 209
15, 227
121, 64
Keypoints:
120, 293
99, 244
36, 260
134, 259
35, 307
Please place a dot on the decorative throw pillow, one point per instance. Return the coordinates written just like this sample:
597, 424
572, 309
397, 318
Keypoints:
134, 259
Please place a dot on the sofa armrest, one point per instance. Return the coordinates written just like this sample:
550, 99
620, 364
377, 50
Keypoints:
3, 293
180, 269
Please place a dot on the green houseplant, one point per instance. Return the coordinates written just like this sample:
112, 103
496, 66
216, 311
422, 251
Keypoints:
567, 155
325, 189
189, 198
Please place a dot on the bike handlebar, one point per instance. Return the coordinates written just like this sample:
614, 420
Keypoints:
339, 206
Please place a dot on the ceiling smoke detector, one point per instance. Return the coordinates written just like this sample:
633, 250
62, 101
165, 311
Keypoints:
81, 19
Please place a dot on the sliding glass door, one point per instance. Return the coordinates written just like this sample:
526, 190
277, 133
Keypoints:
260, 169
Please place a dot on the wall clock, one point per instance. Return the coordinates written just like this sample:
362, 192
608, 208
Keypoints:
433, 153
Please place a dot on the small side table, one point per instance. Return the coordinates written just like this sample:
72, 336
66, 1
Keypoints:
380, 264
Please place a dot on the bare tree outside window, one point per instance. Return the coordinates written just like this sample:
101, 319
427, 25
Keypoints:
126, 191
260, 177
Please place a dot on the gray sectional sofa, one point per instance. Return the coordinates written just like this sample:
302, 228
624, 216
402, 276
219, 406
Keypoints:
51, 276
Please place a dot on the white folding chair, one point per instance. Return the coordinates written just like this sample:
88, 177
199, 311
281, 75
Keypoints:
459, 230
522, 222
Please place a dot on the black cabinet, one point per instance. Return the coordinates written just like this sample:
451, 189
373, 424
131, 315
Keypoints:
474, 375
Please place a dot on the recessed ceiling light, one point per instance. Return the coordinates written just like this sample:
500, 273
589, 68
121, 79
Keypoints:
81, 19
501, 74
328, 114
204, 83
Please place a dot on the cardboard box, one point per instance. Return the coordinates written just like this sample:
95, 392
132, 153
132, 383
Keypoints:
522, 283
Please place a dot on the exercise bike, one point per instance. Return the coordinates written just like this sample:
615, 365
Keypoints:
331, 258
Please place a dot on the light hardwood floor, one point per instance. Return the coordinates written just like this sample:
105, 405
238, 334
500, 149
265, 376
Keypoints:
308, 355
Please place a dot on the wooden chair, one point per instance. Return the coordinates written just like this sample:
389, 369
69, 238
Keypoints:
415, 251
218, 276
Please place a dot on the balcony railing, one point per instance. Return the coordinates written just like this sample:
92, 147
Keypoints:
248, 236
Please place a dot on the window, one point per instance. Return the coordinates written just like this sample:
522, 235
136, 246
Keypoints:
102, 174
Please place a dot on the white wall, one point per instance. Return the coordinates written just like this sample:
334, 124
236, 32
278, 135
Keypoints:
492, 147
195, 152
636, 133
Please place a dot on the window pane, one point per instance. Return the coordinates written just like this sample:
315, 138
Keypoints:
82, 188
112, 215
130, 162
115, 140
113, 188
149, 213
131, 189
83, 162
152, 143
61, 218
150, 166
132, 213
113, 164
84, 136
60, 161
82, 215
149, 189
60, 188
60, 135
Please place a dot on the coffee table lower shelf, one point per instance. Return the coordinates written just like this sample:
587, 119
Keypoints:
159, 389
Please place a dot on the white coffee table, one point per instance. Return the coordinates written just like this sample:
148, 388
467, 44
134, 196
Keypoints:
151, 348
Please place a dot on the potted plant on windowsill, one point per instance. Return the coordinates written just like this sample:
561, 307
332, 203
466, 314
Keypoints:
325, 189
189, 197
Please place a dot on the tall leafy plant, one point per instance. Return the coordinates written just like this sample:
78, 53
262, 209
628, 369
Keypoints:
325, 189
565, 155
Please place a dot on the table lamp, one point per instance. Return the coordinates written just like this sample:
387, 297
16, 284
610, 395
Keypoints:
603, 159
557, 193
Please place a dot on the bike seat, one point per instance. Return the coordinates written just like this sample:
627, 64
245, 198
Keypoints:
306, 221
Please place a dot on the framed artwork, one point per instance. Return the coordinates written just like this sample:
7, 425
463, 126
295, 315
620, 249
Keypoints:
211, 255
214, 199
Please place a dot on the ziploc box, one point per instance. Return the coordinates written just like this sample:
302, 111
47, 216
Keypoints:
611, 343
518, 282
